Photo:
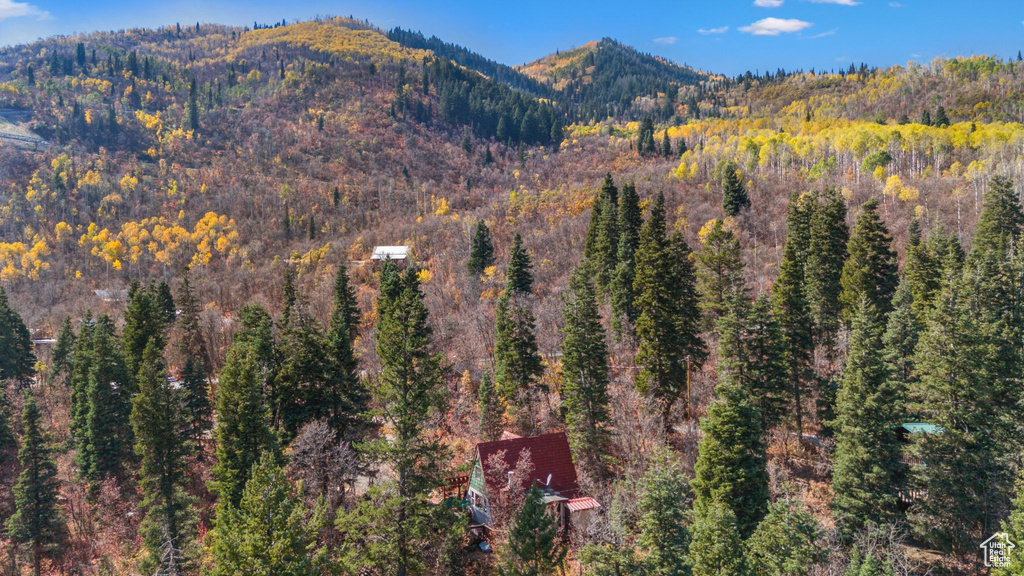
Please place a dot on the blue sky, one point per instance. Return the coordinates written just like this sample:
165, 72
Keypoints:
728, 36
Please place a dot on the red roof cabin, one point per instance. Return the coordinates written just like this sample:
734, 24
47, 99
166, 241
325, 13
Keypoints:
552, 472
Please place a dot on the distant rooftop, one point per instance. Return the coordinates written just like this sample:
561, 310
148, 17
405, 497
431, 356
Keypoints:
390, 253
921, 428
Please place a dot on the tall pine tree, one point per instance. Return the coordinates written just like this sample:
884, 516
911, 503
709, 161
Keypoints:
719, 270
269, 531
191, 347
751, 356
36, 522
792, 312
17, 359
870, 269
243, 432
350, 400
731, 465
868, 472
667, 324
716, 548
966, 476
585, 374
159, 422
534, 547
481, 252
826, 251
145, 319
664, 517
518, 365
622, 294
734, 195
106, 442
410, 397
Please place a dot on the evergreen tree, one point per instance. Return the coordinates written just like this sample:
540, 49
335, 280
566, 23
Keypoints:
481, 253
607, 244
622, 294
268, 532
348, 393
243, 432
664, 516
922, 269
106, 442
17, 359
601, 243
967, 476
78, 380
489, 404
590, 249
666, 146
868, 471
290, 297
410, 395
792, 313
716, 548
144, 319
731, 466
993, 273
645, 143
751, 356
585, 373
869, 273
899, 342
36, 522
734, 195
631, 219
534, 547
1001, 221
302, 389
166, 302
517, 362
667, 324
826, 250
788, 542
941, 119
191, 346
1014, 526
519, 278
158, 421
719, 270
870, 563
63, 356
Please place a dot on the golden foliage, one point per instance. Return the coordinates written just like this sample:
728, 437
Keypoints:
23, 259
333, 37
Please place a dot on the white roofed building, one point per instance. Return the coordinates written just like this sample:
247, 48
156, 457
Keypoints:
381, 253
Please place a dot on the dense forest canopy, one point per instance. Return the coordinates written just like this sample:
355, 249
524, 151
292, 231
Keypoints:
777, 316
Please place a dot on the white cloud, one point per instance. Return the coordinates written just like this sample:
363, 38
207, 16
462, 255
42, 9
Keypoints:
775, 26
824, 34
895, 5
840, 2
720, 30
767, 3
666, 40
12, 9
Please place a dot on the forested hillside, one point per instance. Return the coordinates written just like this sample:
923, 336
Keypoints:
777, 316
